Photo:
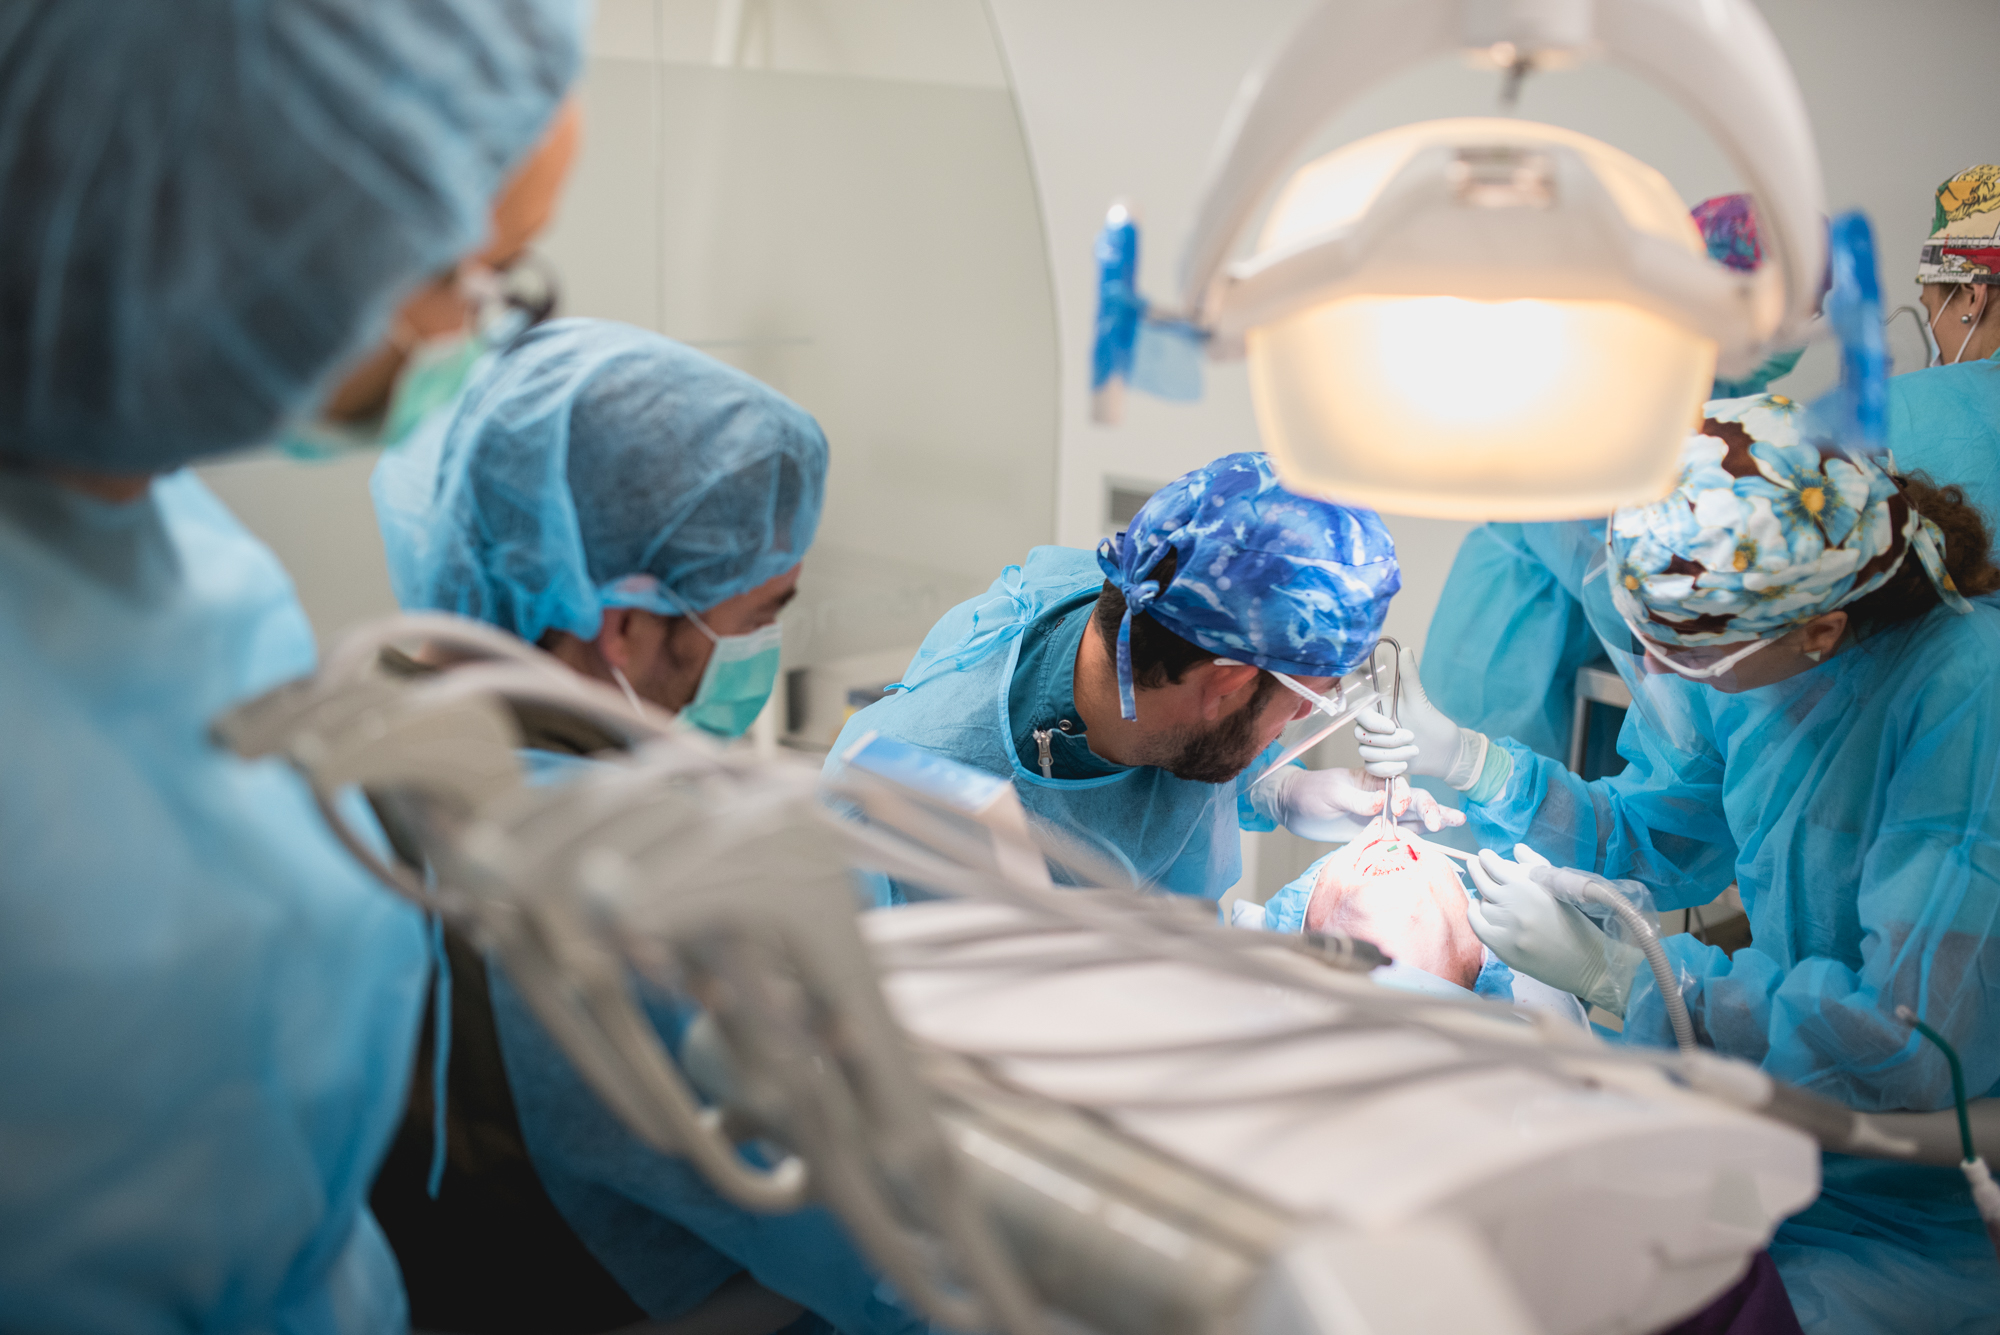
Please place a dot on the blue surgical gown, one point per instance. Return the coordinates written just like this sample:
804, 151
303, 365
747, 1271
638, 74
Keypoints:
1511, 630
1945, 421
207, 1010
651, 1219
1855, 807
1179, 834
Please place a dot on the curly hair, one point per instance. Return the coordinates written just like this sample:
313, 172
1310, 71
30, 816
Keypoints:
1968, 557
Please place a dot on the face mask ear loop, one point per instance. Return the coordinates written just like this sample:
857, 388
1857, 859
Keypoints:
631, 695
1937, 350
1967, 340
681, 609
1930, 331
702, 626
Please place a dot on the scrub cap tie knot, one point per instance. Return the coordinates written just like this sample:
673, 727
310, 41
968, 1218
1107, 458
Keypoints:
1764, 530
1262, 575
1964, 245
1138, 600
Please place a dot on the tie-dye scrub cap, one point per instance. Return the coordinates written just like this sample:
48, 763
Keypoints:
1763, 532
1262, 575
1729, 229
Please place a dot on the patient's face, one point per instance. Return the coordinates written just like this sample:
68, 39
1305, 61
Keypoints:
1405, 898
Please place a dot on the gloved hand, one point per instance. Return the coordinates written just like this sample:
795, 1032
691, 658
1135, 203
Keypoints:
1331, 806
1426, 742
1533, 931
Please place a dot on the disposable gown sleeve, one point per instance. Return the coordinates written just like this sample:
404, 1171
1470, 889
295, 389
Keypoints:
1926, 915
1506, 641
1659, 821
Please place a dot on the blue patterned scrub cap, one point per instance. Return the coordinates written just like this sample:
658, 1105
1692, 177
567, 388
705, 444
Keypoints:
1765, 530
1262, 575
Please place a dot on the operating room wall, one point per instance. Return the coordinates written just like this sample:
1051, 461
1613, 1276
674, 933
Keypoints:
1122, 100
837, 198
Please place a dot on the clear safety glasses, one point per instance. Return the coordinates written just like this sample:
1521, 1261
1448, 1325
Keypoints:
1359, 690
1329, 705
1697, 662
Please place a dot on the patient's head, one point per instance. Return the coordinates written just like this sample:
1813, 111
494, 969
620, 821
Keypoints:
1403, 896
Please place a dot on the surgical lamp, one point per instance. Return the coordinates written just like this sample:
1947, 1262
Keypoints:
1484, 318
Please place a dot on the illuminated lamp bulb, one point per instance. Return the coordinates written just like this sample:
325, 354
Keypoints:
1487, 352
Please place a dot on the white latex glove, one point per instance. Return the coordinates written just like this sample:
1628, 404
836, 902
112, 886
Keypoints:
1533, 931
1426, 743
1331, 806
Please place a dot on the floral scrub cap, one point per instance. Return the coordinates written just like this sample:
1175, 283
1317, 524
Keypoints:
1763, 531
1263, 575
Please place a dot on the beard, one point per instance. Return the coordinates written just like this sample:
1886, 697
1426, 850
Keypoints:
1219, 753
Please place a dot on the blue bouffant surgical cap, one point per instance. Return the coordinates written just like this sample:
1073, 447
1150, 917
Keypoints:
596, 465
209, 203
1261, 575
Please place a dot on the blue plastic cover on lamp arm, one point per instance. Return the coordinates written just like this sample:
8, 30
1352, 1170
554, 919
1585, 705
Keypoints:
1130, 343
1856, 413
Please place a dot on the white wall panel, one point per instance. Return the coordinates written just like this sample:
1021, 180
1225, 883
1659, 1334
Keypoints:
849, 215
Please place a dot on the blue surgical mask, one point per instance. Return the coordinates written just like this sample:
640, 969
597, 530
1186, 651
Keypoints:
741, 672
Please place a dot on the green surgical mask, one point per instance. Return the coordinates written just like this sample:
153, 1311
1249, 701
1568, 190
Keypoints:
432, 381
503, 307
741, 672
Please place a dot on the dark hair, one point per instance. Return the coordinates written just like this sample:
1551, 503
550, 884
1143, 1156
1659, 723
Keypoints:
1968, 556
1159, 657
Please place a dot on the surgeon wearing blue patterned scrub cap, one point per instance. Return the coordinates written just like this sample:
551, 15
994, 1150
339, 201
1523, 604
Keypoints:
1259, 574
1135, 694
